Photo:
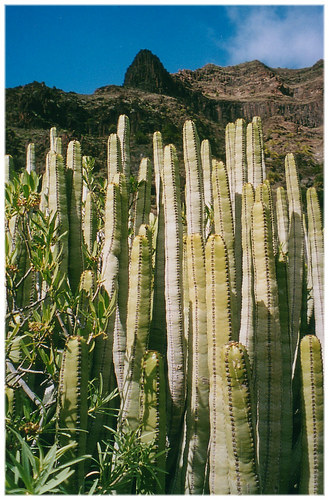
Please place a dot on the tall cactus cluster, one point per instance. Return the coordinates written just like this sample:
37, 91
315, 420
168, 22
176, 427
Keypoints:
212, 311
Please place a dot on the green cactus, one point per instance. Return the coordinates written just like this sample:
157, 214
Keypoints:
312, 407
194, 180
75, 263
114, 161
197, 413
246, 335
239, 420
123, 133
72, 411
219, 333
255, 155
138, 326
226, 417
30, 158
223, 222
119, 345
57, 203
173, 243
153, 413
295, 252
315, 236
143, 198
267, 357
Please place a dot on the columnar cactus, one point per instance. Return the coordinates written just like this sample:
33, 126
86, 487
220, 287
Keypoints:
143, 198
219, 332
315, 236
174, 299
295, 251
123, 133
153, 412
138, 326
30, 158
267, 357
223, 222
199, 331
239, 420
72, 411
197, 413
74, 165
194, 180
114, 161
312, 408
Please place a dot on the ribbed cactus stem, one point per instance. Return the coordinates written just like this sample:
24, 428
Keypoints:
72, 412
282, 280
74, 164
158, 333
255, 155
223, 222
315, 235
58, 145
89, 222
119, 346
143, 198
87, 288
197, 416
123, 133
158, 166
246, 335
57, 200
206, 163
239, 421
295, 252
282, 220
153, 413
229, 156
138, 326
114, 162
267, 361
219, 333
173, 244
53, 135
9, 167
312, 416
194, 179
112, 239
30, 158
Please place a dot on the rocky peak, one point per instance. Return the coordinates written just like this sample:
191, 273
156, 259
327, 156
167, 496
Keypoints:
147, 73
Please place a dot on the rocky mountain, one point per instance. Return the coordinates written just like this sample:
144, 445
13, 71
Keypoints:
290, 103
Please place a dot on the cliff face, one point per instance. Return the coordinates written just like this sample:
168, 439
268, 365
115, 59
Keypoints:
290, 103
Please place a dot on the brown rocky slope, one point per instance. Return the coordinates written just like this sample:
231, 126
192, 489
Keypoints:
290, 103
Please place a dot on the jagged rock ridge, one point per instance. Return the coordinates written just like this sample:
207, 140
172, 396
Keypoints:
290, 103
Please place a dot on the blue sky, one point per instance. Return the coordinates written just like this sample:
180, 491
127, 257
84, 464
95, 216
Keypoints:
80, 48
